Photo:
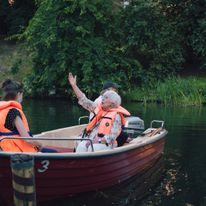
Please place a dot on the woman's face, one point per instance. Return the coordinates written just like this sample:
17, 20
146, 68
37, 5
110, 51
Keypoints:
106, 103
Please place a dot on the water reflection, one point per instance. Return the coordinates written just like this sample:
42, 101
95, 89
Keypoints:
127, 193
50, 114
184, 180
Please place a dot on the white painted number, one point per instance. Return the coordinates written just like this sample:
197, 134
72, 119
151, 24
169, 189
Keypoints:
45, 164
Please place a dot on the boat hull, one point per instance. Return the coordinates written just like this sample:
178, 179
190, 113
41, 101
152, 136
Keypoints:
64, 176
129, 192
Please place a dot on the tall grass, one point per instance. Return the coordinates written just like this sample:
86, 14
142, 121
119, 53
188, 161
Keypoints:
176, 90
173, 91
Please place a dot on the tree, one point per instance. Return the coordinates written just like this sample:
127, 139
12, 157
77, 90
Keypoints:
190, 20
152, 39
77, 36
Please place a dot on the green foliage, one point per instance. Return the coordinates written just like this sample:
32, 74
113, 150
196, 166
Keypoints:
150, 38
197, 39
144, 42
15, 63
174, 90
76, 36
16, 66
190, 20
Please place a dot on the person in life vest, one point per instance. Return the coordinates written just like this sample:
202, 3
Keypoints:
13, 122
106, 125
107, 86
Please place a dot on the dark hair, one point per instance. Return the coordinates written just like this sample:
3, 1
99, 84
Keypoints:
10, 89
109, 84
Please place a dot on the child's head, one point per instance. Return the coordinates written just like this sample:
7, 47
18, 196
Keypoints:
11, 89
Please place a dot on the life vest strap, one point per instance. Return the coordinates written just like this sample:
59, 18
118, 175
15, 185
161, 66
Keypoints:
8, 133
84, 133
106, 117
12, 133
94, 115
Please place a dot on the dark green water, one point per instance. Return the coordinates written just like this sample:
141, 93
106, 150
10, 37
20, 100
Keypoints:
184, 180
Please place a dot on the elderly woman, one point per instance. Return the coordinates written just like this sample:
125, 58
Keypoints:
106, 125
107, 86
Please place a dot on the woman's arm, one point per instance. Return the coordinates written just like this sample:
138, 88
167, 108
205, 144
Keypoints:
20, 127
73, 82
23, 132
82, 99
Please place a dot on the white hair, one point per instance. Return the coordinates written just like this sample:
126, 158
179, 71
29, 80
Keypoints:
114, 98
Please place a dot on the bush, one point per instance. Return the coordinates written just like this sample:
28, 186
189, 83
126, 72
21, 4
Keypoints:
151, 39
76, 36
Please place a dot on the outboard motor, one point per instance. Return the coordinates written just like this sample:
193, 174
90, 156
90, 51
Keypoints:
133, 126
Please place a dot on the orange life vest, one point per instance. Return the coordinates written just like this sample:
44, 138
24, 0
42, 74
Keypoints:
13, 145
106, 120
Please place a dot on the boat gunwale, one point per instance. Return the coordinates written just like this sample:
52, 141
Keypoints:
68, 155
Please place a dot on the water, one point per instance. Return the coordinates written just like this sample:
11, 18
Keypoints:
184, 181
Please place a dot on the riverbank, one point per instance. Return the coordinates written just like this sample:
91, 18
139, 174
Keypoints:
14, 61
187, 89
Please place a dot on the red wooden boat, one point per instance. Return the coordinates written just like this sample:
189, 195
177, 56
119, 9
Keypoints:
60, 175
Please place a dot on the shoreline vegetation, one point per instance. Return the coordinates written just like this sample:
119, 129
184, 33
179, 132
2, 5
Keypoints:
14, 61
185, 91
175, 90
154, 49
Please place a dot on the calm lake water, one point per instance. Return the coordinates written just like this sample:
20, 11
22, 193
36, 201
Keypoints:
183, 182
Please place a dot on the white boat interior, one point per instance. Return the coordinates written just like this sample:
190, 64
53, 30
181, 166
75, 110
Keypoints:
64, 140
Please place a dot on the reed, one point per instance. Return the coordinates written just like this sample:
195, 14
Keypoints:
172, 91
